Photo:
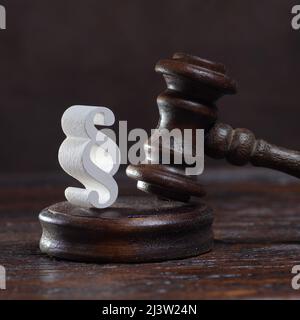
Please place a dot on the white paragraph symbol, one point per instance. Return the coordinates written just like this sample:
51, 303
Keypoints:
89, 156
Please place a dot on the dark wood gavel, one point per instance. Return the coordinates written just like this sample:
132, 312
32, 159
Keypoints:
193, 87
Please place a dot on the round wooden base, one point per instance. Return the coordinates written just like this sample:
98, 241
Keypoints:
134, 229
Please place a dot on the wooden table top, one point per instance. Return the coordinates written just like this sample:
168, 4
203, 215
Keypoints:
257, 242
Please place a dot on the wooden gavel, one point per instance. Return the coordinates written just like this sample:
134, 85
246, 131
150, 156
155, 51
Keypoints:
193, 87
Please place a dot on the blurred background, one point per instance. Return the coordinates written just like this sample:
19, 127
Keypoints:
58, 53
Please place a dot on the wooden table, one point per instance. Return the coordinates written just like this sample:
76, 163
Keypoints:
257, 242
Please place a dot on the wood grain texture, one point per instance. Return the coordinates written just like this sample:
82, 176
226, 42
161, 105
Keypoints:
257, 242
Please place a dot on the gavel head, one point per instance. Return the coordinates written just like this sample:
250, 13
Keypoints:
193, 87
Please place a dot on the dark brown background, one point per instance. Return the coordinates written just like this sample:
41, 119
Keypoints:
58, 53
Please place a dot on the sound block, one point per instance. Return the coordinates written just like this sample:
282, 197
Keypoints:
134, 229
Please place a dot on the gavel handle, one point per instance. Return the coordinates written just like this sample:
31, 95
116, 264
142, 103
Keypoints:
239, 146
